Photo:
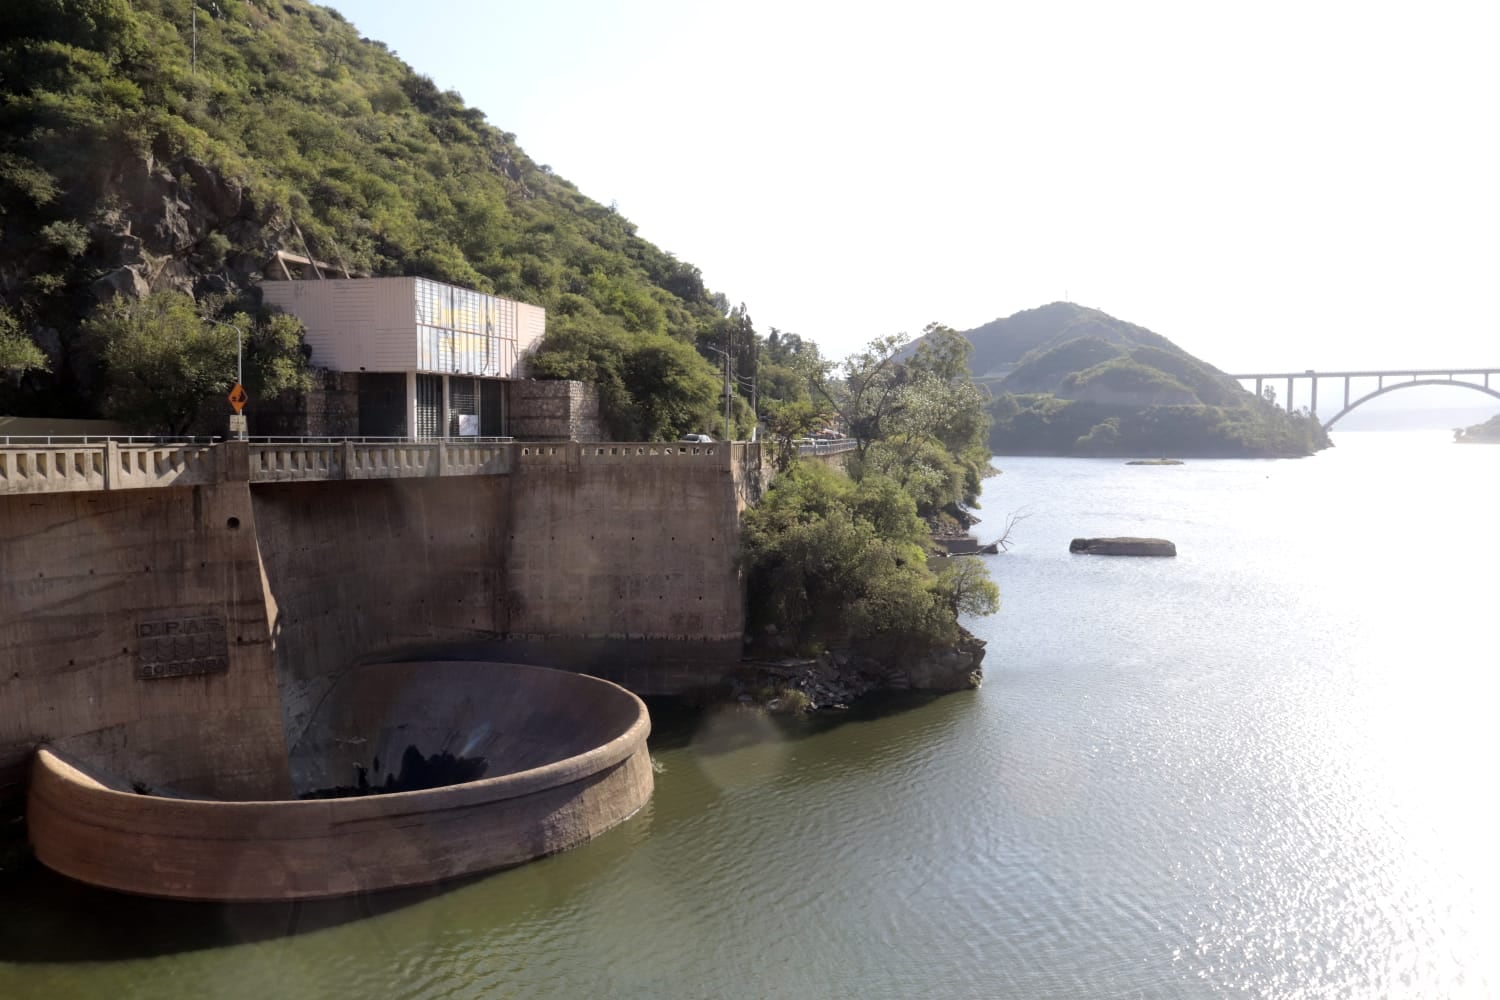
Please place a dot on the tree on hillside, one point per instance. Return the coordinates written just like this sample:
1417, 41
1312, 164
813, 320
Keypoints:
942, 352
651, 387
935, 441
966, 588
783, 367
863, 389
920, 421
18, 354
786, 424
673, 390
844, 559
832, 561
782, 348
163, 362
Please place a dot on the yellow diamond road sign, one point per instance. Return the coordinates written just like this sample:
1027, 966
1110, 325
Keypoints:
238, 397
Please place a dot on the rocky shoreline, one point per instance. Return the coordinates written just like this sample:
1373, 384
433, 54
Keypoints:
837, 678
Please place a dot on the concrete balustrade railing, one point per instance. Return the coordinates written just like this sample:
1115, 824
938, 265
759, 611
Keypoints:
574, 453
273, 463
290, 462
51, 469
705, 454
107, 465
477, 459
114, 465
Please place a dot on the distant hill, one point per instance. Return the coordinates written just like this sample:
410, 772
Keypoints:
1069, 380
1485, 433
1001, 344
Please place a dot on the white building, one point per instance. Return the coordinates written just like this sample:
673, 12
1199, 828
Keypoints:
432, 360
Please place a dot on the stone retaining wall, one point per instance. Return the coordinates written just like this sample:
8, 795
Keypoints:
555, 411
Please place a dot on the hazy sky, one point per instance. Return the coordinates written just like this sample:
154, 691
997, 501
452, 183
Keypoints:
1272, 185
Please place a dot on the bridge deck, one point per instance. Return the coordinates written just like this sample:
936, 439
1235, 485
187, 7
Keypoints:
1373, 373
1402, 378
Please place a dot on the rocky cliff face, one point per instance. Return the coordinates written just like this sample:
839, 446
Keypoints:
171, 224
143, 224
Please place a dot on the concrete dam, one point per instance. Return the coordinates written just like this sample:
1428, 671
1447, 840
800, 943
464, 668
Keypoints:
177, 620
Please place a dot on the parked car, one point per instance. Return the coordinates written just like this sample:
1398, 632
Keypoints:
697, 438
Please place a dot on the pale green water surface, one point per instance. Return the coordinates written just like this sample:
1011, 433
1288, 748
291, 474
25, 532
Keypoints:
1261, 769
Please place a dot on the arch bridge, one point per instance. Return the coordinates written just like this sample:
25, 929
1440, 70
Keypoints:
1388, 380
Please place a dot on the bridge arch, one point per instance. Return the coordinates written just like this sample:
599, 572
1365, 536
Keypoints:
1407, 385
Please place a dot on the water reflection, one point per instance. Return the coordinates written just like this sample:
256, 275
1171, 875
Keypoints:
49, 918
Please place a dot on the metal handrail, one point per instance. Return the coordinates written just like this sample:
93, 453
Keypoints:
826, 447
74, 439
368, 439
155, 439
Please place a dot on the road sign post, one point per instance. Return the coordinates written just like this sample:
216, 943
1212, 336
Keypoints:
238, 397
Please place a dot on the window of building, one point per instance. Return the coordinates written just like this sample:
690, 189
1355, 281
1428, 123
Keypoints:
429, 406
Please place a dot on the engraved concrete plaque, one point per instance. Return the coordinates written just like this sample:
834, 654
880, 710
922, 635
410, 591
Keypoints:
179, 647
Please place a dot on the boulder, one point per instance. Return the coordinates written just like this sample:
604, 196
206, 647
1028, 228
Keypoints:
170, 225
122, 281
1123, 547
174, 274
212, 193
956, 669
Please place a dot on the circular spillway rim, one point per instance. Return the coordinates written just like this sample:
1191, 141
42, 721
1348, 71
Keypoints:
52, 764
282, 849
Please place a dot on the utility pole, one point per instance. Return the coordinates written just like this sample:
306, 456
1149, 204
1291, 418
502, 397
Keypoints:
754, 380
728, 436
195, 38
728, 380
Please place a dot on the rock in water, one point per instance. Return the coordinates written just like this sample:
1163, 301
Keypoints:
1123, 547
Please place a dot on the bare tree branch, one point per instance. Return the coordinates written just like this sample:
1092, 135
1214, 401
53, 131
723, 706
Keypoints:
1012, 519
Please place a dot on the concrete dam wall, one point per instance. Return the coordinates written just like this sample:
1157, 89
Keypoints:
188, 633
140, 611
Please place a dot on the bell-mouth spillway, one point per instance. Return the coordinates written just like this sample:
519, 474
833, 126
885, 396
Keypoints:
554, 759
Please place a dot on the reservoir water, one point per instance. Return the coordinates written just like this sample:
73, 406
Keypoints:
1264, 768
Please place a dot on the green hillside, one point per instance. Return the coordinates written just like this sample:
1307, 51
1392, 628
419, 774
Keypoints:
1003, 343
1078, 381
127, 165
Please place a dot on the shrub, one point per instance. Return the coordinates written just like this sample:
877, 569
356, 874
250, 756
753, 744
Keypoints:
830, 561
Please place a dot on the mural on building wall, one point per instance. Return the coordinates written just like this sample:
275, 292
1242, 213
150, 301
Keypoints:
463, 331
